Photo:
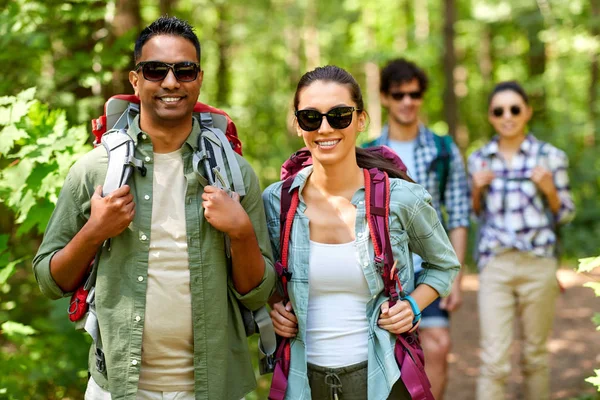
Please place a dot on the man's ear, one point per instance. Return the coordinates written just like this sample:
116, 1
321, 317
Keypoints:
134, 80
383, 98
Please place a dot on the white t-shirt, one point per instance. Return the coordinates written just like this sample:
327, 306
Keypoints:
336, 325
167, 342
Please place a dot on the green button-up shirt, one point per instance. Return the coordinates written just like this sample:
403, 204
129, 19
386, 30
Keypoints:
222, 365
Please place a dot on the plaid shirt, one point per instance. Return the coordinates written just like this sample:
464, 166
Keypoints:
414, 227
457, 202
515, 214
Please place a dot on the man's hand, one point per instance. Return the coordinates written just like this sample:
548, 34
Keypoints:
481, 179
110, 215
224, 213
454, 300
284, 320
543, 180
397, 319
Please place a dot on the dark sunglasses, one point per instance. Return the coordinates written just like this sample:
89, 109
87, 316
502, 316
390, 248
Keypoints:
416, 95
155, 71
337, 118
499, 111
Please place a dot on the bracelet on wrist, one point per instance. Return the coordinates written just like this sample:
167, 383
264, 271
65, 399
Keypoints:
415, 308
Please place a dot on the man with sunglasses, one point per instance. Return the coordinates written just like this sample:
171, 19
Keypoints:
166, 295
402, 87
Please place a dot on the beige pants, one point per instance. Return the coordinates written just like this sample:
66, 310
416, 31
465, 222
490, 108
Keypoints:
522, 285
95, 392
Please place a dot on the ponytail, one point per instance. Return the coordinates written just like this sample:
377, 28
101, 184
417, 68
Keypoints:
367, 159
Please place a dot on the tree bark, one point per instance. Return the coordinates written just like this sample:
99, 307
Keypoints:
223, 44
449, 62
594, 136
166, 6
537, 64
126, 18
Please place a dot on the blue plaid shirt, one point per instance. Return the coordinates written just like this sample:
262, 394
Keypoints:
414, 227
515, 214
457, 202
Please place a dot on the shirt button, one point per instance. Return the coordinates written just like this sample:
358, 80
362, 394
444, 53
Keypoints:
144, 237
133, 362
361, 202
140, 278
137, 318
147, 159
147, 197
144, 137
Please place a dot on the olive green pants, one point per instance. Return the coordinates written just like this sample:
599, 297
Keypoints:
346, 383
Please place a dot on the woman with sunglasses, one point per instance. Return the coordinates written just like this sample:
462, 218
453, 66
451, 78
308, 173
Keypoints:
520, 191
342, 328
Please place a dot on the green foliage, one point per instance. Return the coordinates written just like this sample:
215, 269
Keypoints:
587, 265
37, 147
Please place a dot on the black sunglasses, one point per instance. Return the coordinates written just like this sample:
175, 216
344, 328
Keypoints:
499, 111
155, 71
337, 118
415, 95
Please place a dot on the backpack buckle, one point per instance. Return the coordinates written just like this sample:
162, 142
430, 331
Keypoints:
100, 362
379, 263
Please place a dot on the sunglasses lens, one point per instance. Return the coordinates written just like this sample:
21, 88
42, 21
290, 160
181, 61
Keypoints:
498, 112
186, 71
515, 110
309, 120
155, 71
416, 95
340, 117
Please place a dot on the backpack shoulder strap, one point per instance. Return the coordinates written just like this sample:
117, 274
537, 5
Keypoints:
377, 200
443, 146
216, 153
289, 205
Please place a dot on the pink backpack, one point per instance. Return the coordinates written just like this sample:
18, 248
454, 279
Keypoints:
408, 351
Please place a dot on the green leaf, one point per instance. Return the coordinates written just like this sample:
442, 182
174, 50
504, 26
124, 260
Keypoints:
596, 321
588, 264
12, 328
9, 136
595, 380
7, 271
595, 286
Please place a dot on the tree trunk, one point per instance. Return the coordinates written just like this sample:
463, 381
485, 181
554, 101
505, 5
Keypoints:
126, 18
310, 36
223, 44
372, 76
594, 135
166, 6
449, 62
537, 65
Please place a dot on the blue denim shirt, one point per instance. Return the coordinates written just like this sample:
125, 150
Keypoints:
414, 226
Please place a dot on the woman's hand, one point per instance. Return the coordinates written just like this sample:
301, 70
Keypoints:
397, 319
284, 320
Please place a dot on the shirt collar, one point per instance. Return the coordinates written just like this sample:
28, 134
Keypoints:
421, 139
492, 147
135, 132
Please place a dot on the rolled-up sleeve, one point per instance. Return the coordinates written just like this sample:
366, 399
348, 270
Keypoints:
66, 220
427, 237
559, 166
253, 205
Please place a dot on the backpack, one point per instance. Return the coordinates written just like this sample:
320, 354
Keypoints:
440, 164
408, 352
214, 156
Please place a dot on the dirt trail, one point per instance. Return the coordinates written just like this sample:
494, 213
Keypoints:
574, 346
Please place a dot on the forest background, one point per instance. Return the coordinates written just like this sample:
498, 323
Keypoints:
60, 60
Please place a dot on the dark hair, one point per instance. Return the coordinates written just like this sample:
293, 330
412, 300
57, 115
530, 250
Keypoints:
367, 159
166, 25
512, 86
402, 71
332, 73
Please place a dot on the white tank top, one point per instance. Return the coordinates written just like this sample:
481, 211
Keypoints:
337, 326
